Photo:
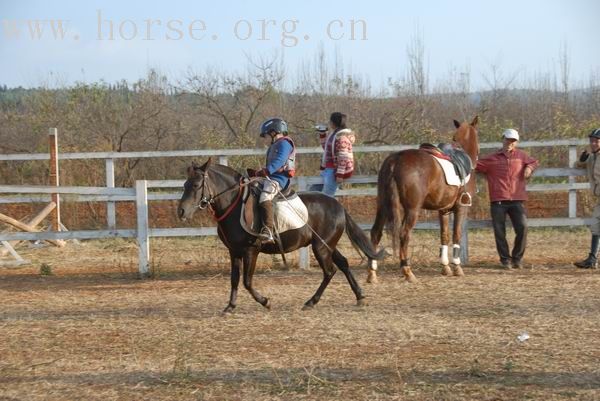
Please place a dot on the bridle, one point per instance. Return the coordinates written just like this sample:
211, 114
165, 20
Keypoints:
207, 199
204, 201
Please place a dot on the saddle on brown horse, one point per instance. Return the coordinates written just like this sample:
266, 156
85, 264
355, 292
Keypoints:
459, 158
250, 218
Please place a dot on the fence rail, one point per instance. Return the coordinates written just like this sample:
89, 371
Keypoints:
95, 194
224, 153
142, 194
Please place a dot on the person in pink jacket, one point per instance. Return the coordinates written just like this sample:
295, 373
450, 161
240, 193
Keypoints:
337, 163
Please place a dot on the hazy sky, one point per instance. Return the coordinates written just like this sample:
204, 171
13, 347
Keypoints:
521, 35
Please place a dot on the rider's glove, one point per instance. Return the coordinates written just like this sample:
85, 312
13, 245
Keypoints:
584, 156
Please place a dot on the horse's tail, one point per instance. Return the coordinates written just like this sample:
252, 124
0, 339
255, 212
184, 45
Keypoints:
388, 201
360, 240
396, 219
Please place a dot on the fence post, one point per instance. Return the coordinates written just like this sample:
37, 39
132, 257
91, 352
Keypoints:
303, 254
141, 203
111, 215
572, 192
54, 178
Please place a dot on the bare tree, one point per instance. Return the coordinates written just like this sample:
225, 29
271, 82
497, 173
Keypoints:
235, 99
418, 74
564, 63
499, 84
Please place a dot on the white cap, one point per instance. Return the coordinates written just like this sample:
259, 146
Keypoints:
510, 134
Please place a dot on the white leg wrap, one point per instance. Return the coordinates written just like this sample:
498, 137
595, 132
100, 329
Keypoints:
456, 254
444, 255
373, 264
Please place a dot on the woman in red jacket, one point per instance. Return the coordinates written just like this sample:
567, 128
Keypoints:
337, 163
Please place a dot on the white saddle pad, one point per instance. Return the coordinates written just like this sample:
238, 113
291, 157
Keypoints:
289, 215
449, 173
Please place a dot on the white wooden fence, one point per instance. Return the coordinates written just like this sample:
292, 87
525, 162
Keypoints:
141, 194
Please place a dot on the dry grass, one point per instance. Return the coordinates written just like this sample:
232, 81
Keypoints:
93, 331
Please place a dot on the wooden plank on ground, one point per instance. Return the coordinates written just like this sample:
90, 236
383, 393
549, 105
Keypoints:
32, 223
24, 227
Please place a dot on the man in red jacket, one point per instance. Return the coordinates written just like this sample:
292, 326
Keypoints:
507, 171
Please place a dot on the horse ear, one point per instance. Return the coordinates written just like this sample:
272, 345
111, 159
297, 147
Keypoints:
475, 121
191, 170
204, 166
456, 124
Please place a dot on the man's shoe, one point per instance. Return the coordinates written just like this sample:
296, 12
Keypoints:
506, 265
590, 263
266, 236
517, 264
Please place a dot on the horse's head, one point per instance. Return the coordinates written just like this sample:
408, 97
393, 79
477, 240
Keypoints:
467, 136
196, 191
210, 186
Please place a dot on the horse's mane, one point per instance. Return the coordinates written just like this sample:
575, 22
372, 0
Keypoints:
226, 170
220, 169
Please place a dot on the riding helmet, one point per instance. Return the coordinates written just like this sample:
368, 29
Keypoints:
595, 133
273, 125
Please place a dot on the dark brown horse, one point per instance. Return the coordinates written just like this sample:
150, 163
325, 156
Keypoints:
412, 180
218, 188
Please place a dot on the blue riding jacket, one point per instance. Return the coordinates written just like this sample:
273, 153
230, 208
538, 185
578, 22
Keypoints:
278, 157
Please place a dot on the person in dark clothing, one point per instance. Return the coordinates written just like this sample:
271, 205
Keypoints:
589, 161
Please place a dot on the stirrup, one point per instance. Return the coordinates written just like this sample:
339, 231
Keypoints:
469, 201
266, 235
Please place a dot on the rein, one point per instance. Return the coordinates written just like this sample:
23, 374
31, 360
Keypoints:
208, 202
231, 207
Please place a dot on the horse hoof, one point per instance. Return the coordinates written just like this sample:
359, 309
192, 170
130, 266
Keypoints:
458, 271
372, 277
267, 304
446, 271
411, 279
362, 302
228, 310
308, 307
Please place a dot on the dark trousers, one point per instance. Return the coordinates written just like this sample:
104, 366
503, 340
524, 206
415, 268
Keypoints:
516, 211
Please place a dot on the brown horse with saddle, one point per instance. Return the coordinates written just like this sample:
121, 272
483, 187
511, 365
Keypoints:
415, 179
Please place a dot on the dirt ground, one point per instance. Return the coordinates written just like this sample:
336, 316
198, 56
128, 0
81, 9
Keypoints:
91, 330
